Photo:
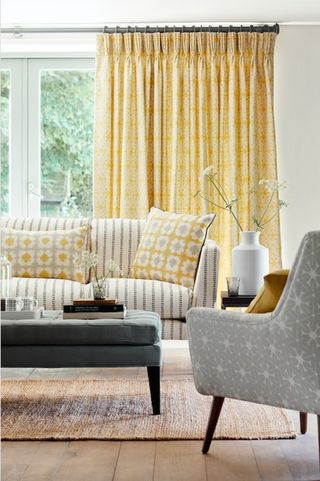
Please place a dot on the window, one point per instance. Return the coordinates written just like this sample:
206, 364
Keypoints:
66, 142
5, 144
51, 153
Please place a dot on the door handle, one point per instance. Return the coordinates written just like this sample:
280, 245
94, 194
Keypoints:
31, 191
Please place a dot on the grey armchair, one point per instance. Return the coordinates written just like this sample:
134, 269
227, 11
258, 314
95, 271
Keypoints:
264, 358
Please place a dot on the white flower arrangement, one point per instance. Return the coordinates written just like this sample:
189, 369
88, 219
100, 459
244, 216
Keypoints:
272, 186
89, 260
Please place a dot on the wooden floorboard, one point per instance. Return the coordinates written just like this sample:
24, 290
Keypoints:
278, 460
232, 461
136, 461
179, 461
271, 461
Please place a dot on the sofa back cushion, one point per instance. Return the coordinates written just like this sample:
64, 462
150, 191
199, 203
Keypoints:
116, 239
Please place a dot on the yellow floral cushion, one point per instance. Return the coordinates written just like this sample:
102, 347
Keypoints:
267, 298
170, 247
46, 254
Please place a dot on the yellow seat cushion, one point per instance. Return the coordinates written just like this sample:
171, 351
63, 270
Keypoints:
45, 254
170, 247
267, 298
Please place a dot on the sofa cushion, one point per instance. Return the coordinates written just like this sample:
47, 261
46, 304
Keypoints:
138, 328
45, 254
170, 247
43, 223
170, 301
267, 298
116, 239
51, 293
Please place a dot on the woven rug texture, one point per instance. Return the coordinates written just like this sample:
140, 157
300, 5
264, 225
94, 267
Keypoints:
121, 410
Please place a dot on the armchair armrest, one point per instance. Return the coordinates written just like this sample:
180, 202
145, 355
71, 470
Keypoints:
206, 283
227, 348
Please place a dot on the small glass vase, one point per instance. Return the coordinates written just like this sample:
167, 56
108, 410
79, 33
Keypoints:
99, 290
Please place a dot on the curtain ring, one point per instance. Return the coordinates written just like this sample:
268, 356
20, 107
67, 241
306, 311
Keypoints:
157, 28
229, 29
194, 28
127, 28
146, 29
219, 29
251, 28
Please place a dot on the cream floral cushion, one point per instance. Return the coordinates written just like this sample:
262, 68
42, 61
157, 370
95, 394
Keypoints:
170, 247
46, 254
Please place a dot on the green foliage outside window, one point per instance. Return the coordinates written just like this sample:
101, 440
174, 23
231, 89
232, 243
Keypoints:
67, 117
4, 186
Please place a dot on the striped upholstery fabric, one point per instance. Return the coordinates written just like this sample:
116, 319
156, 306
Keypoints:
170, 301
51, 293
173, 329
43, 223
206, 284
116, 239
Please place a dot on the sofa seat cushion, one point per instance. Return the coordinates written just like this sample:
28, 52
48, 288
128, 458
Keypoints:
138, 328
170, 301
51, 293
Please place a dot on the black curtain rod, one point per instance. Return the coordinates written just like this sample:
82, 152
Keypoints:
211, 28
20, 31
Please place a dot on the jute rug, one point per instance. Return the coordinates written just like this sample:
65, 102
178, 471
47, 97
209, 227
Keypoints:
121, 409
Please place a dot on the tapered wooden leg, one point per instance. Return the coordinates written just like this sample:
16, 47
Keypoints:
303, 422
212, 422
154, 384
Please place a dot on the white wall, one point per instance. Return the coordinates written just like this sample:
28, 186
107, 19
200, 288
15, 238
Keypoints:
297, 113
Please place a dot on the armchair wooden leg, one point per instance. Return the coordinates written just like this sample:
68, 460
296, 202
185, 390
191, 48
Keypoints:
212, 422
303, 422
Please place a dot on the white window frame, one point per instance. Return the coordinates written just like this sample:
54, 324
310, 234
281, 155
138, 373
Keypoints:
25, 149
17, 137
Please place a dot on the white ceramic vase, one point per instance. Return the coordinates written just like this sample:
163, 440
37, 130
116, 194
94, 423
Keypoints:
250, 262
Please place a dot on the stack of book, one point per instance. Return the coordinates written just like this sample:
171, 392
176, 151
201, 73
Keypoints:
94, 309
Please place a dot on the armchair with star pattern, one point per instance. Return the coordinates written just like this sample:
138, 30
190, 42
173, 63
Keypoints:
269, 358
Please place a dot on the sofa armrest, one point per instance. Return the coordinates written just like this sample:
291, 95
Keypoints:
206, 283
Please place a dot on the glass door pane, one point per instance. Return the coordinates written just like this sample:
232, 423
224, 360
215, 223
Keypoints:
66, 118
5, 142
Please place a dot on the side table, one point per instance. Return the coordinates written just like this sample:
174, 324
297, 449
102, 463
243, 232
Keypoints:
235, 301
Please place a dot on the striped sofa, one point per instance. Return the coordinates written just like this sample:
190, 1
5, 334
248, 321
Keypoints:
118, 239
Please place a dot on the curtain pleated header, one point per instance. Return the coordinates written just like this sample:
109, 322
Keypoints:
203, 43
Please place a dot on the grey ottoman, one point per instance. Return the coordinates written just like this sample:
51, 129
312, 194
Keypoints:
55, 342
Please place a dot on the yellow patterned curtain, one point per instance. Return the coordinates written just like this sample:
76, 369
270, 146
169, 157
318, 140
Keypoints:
170, 104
